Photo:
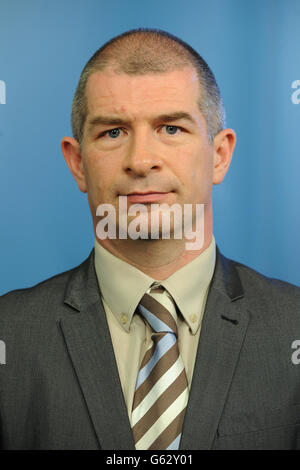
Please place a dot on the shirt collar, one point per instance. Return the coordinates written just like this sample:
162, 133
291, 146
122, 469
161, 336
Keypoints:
122, 285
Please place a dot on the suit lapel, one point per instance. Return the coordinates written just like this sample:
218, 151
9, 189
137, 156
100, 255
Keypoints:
88, 341
223, 330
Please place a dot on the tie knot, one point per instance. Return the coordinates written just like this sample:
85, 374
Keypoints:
160, 314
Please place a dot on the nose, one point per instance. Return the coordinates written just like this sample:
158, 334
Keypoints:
142, 156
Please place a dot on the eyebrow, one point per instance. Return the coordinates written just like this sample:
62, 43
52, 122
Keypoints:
112, 120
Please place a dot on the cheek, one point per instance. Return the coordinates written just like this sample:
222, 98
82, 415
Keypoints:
99, 170
194, 167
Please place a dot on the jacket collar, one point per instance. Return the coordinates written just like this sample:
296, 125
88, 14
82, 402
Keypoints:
83, 288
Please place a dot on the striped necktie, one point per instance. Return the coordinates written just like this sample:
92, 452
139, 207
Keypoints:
161, 392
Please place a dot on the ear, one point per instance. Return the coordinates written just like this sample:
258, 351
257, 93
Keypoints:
71, 150
224, 143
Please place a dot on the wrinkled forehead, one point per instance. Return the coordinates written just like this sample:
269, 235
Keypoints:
118, 91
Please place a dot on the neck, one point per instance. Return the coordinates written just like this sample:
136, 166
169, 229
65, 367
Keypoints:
158, 259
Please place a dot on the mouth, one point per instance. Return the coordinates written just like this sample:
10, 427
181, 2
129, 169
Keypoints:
147, 197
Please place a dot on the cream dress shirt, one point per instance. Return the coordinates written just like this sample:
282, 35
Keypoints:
122, 286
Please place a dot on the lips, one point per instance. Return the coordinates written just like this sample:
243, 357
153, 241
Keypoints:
146, 197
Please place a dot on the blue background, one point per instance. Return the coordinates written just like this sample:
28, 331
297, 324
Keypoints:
253, 49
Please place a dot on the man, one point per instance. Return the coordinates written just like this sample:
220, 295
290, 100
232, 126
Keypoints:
149, 344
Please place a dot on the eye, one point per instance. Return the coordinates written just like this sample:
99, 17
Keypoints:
172, 130
114, 133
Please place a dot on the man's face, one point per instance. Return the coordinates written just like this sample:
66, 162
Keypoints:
146, 134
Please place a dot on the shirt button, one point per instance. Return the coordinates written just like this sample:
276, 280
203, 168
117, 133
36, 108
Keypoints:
124, 318
193, 317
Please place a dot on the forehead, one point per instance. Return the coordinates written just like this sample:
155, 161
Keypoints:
109, 91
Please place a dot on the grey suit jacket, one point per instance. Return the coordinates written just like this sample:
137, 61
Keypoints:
60, 388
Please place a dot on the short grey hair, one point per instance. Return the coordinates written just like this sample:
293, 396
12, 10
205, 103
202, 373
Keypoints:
148, 51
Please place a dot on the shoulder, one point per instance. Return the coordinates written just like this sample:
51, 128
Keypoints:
38, 299
266, 293
251, 277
